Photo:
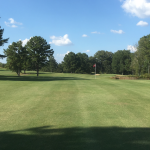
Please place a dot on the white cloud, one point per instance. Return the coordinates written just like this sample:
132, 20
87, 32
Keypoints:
14, 26
132, 48
142, 23
60, 41
24, 42
67, 52
84, 35
12, 23
139, 8
95, 32
7, 23
87, 51
118, 32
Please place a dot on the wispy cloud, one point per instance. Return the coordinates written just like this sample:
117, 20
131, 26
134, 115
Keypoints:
12, 23
84, 35
139, 8
87, 51
118, 32
61, 41
142, 23
131, 48
95, 32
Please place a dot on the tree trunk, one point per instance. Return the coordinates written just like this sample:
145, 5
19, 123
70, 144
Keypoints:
18, 72
24, 71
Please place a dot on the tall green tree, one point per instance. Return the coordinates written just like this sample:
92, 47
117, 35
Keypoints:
26, 60
144, 48
51, 65
121, 62
82, 63
59, 68
2, 41
39, 51
104, 60
15, 56
137, 63
70, 62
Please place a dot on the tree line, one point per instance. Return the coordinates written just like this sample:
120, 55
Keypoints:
121, 62
37, 55
106, 62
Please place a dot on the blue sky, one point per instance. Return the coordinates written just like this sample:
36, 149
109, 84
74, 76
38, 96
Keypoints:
76, 25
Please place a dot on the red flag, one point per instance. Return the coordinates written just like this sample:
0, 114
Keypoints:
94, 65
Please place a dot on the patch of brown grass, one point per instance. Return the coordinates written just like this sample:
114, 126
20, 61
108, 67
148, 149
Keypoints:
122, 77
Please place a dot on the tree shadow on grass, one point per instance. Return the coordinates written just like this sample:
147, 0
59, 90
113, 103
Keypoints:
4, 70
39, 73
77, 138
39, 78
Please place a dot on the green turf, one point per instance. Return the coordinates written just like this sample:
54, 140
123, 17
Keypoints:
73, 111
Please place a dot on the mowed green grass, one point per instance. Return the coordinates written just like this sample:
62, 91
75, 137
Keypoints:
59, 111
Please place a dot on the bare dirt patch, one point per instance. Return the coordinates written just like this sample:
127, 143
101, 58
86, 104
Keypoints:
121, 77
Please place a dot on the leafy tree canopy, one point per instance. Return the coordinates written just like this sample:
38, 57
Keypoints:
144, 46
15, 56
70, 62
104, 60
51, 65
2, 41
39, 51
121, 61
144, 49
82, 63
